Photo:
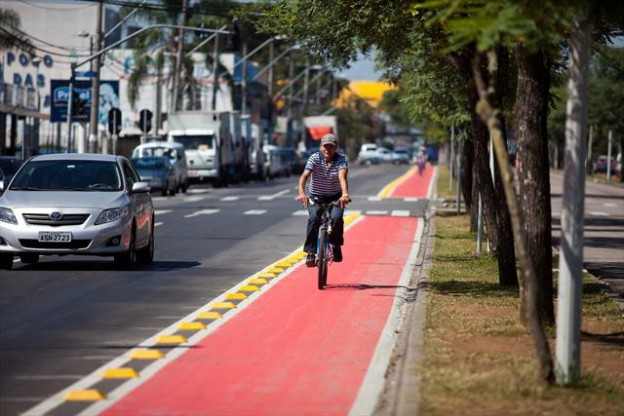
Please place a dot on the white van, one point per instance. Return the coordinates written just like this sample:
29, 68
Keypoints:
175, 153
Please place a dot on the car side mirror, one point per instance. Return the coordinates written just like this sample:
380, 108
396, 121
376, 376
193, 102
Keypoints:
140, 188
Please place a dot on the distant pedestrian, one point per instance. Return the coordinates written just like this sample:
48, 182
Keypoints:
421, 162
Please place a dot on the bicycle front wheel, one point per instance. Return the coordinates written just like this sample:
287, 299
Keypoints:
322, 259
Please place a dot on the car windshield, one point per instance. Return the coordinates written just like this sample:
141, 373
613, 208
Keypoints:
149, 163
155, 152
196, 142
68, 175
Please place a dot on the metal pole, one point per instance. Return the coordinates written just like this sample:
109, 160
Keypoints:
178, 64
609, 146
590, 167
271, 57
291, 89
158, 112
568, 342
95, 83
306, 85
244, 81
452, 158
70, 105
458, 157
479, 226
215, 69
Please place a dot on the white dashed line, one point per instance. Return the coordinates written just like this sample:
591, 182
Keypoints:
194, 198
202, 212
255, 212
158, 224
374, 198
272, 197
610, 204
400, 213
376, 212
198, 191
162, 211
230, 198
300, 213
598, 214
411, 199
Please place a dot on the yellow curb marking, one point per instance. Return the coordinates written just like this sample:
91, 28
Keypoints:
209, 315
91, 395
146, 354
191, 326
389, 188
171, 340
257, 282
223, 305
236, 296
117, 373
267, 276
248, 288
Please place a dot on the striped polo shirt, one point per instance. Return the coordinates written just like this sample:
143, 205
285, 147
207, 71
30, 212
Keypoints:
325, 174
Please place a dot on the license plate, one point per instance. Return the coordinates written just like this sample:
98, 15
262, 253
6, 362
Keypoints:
55, 237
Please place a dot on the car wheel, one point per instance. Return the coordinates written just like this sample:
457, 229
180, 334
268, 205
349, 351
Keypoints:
146, 254
30, 258
173, 191
185, 187
6, 261
128, 259
165, 190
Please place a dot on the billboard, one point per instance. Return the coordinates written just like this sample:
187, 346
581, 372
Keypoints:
59, 91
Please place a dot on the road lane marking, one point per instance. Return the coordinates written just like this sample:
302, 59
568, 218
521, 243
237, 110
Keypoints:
158, 224
412, 199
610, 204
198, 191
389, 188
300, 213
598, 214
400, 213
374, 198
115, 395
272, 197
255, 212
230, 198
194, 198
375, 212
202, 212
162, 211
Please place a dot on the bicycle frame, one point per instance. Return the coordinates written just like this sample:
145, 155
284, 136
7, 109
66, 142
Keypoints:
324, 252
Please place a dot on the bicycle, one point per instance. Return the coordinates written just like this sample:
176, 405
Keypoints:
324, 250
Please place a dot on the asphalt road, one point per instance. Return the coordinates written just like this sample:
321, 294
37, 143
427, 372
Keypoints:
66, 316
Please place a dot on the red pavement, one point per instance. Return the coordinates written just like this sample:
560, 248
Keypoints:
415, 186
295, 350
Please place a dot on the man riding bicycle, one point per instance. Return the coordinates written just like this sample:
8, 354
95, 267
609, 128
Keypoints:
328, 170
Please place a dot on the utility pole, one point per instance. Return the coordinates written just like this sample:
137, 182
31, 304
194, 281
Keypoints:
244, 80
95, 83
291, 75
306, 86
215, 69
568, 343
178, 64
158, 109
609, 147
271, 57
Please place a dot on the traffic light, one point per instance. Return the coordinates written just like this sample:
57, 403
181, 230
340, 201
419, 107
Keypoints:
114, 121
145, 120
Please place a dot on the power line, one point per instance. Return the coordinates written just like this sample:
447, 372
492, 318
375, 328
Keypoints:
27, 47
59, 9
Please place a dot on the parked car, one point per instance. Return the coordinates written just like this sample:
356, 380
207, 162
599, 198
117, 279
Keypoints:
176, 155
600, 165
158, 172
368, 154
400, 157
8, 166
87, 204
385, 155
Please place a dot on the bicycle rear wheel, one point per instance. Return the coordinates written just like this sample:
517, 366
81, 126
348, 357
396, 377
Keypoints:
322, 259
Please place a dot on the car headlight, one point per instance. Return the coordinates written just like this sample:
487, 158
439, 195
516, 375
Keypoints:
6, 215
112, 214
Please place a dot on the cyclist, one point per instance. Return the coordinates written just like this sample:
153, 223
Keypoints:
328, 170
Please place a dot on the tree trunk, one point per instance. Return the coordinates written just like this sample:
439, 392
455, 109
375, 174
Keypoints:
490, 116
465, 176
530, 127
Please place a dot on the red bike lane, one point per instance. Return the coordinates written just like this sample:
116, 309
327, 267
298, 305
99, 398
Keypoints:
416, 185
295, 349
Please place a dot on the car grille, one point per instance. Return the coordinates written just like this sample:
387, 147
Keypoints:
75, 244
66, 219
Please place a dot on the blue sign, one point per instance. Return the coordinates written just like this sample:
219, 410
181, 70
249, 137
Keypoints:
85, 74
59, 92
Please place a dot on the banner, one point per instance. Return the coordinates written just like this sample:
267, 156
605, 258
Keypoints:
59, 91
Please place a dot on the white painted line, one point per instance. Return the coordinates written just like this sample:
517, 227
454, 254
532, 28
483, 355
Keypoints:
162, 211
374, 198
598, 214
272, 197
255, 212
158, 198
610, 204
115, 395
373, 212
16, 260
194, 198
158, 224
400, 213
198, 191
300, 213
230, 198
411, 199
374, 379
202, 212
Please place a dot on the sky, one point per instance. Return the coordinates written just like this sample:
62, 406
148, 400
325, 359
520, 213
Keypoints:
363, 69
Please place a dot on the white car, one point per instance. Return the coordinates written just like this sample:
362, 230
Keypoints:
77, 204
368, 154
385, 155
